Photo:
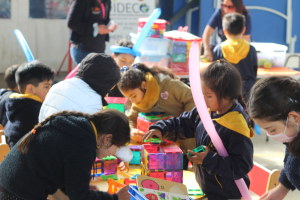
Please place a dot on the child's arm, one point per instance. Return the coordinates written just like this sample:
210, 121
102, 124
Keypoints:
183, 94
285, 181
132, 117
179, 128
237, 164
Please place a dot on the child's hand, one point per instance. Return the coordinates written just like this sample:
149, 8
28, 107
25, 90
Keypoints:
124, 165
134, 133
123, 193
151, 133
197, 158
279, 192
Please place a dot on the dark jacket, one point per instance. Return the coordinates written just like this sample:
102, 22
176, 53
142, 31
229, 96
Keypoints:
22, 111
216, 175
4, 95
290, 175
61, 156
81, 17
246, 66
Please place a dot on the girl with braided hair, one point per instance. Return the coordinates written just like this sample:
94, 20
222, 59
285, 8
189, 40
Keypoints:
59, 153
274, 105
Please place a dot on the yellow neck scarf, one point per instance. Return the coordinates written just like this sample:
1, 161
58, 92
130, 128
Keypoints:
151, 95
29, 96
96, 133
235, 50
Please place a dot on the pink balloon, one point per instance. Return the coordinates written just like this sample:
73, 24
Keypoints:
195, 82
72, 73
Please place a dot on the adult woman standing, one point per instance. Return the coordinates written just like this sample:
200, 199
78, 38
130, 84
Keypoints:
228, 6
81, 17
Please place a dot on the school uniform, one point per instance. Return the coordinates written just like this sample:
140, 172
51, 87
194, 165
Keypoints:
4, 95
216, 174
61, 156
22, 111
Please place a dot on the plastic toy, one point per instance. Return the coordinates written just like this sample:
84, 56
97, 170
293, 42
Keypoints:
153, 140
195, 192
112, 176
163, 161
118, 103
146, 119
197, 150
24, 45
136, 150
138, 137
265, 63
134, 176
135, 194
128, 181
104, 166
113, 186
157, 30
195, 82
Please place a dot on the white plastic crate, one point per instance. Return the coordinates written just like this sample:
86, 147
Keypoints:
275, 53
149, 60
152, 46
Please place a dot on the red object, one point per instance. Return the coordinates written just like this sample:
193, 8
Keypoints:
157, 174
143, 125
118, 100
158, 24
179, 67
70, 62
128, 182
258, 179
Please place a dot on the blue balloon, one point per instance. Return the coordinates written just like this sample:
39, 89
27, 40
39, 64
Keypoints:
147, 27
24, 45
127, 50
257, 129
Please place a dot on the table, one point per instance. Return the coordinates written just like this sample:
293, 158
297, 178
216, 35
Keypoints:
188, 179
261, 72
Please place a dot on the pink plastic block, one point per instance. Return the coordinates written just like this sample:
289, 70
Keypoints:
143, 125
135, 147
151, 148
173, 161
117, 100
110, 167
156, 161
174, 175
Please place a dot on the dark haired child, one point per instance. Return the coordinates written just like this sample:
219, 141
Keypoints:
156, 89
12, 87
122, 59
222, 90
274, 105
34, 80
59, 153
238, 51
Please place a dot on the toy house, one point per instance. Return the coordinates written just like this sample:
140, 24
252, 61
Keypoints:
104, 166
118, 103
163, 161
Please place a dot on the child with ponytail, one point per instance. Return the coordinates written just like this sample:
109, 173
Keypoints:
59, 153
155, 89
222, 90
274, 105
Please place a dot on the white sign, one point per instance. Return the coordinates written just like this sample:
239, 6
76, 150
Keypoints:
126, 14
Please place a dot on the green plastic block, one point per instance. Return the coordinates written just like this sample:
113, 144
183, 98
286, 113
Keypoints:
112, 176
197, 150
119, 107
179, 58
109, 158
195, 192
153, 140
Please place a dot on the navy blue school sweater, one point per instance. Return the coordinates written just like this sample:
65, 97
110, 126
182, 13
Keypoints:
243, 56
22, 111
290, 175
216, 174
4, 95
60, 157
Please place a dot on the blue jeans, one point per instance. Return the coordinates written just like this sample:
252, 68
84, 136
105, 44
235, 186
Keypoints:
78, 54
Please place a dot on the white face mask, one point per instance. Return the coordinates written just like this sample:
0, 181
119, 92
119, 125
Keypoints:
282, 137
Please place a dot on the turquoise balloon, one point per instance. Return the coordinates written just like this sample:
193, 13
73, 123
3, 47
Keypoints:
126, 50
24, 45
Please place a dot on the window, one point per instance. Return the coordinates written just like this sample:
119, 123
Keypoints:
5, 8
50, 9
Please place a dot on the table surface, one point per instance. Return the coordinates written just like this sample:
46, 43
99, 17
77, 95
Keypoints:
188, 179
261, 72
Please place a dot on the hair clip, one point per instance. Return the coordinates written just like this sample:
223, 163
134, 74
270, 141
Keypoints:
124, 69
33, 131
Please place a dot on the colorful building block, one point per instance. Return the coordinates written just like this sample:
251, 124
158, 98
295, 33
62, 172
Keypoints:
152, 158
113, 186
173, 156
112, 176
136, 150
104, 166
118, 103
134, 176
195, 192
145, 120
197, 150
174, 175
153, 140
129, 182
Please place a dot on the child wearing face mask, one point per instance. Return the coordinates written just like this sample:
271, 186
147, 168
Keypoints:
274, 104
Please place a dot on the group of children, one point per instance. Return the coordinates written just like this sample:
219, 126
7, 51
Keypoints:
55, 137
